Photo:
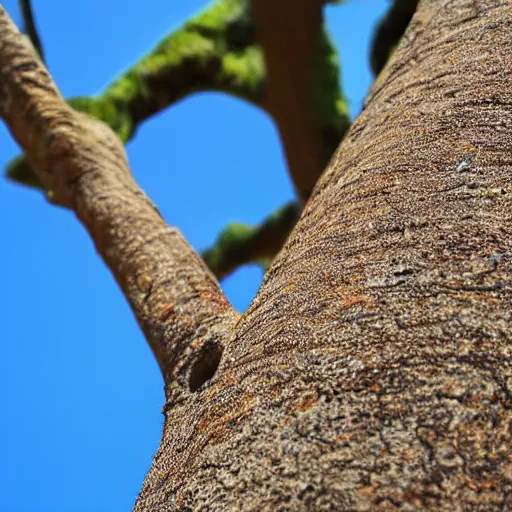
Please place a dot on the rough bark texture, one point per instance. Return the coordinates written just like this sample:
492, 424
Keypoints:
82, 164
373, 369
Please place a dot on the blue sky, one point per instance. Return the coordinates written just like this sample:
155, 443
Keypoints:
82, 394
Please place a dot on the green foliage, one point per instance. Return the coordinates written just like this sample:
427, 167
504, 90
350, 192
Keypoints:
245, 70
233, 244
108, 110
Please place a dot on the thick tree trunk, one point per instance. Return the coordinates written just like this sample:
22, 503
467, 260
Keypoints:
373, 369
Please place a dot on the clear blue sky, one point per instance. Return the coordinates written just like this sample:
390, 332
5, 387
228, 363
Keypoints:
81, 392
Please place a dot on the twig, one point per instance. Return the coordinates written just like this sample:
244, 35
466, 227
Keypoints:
30, 28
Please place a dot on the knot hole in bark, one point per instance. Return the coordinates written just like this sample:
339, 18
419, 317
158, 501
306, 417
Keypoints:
205, 365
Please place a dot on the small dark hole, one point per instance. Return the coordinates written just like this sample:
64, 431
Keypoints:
205, 366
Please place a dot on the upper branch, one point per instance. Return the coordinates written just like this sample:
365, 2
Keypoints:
214, 50
83, 165
303, 95
389, 31
290, 70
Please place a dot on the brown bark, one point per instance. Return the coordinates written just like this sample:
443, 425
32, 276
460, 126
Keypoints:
373, 369
289, 92
81, 162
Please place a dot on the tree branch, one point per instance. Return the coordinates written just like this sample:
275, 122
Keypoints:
221, 50
240, 244
389, 31
30, 27
304, 96
83, 166
213, 51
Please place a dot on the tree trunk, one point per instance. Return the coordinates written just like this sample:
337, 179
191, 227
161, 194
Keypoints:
373, 369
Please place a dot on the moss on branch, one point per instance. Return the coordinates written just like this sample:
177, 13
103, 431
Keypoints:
240, 244
206, 53
222, 49
216, 50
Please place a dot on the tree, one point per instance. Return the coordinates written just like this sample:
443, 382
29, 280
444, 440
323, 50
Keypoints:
372, 370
